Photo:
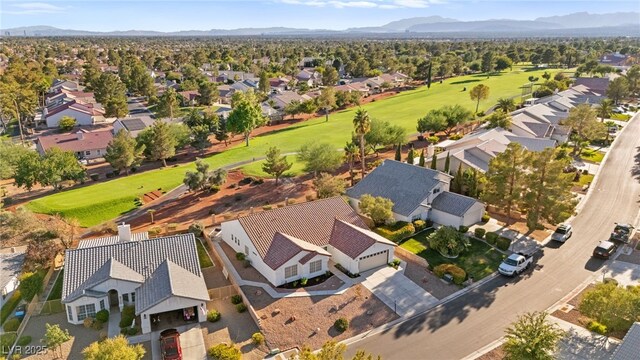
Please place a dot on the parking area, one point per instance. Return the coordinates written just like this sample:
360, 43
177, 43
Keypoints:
191, 342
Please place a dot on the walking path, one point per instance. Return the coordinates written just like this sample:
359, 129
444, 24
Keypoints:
114, 322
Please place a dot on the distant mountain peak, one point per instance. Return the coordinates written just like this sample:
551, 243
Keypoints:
404, 24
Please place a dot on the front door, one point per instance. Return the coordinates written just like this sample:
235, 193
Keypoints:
113, 298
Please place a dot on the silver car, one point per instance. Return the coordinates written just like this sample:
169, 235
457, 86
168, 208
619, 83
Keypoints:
562, 233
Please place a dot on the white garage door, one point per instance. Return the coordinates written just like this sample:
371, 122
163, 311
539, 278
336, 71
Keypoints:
372, 261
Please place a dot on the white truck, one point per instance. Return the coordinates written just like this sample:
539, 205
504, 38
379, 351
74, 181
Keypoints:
515, 264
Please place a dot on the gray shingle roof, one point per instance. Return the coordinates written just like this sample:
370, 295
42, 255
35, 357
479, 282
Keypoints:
10, 266
629, 349
452, 203
407, 186
169, 279
84, 265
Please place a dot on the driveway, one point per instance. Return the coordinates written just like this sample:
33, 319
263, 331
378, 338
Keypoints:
397, 291
624, 272
581, 344
191, 341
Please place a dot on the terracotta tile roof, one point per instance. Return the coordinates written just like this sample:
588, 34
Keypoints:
84, 108
312, 222
352, 240
72, 142
284, 247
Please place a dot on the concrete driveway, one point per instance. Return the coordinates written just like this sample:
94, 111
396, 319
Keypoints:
191, 341
397, 291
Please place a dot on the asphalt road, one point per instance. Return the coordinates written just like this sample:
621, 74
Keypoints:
470, 322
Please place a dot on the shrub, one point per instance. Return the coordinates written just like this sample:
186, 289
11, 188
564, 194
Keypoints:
448, 241
303, 281
257, 338
24, 340
291, 201
128, 314
30, 284
88, 322
134, 169
197, 228
267, 207
309, 197
214, 189
459, 275
213, 315
7, 340
224, 352
11, 325
397, 232
610, 280
246, 263
102, 316
419, 225
342, 324
463, 229
97, 325
95, 177
492, 238
246, 181
486, 217
455, 137
479, 232
503, 243
596, 327
236, 299
241, 307
240, 256
237, 198
395, 263
155, 230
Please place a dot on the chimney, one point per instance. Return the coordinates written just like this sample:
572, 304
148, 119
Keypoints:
80, 135
124, 232
430, 150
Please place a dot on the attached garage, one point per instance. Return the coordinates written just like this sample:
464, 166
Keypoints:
453, 209
374, 260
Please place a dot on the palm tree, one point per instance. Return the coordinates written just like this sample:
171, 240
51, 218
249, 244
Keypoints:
362, 125
506, 104
351, 153
605, 109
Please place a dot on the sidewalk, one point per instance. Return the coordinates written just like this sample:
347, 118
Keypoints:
114, 323
520, 242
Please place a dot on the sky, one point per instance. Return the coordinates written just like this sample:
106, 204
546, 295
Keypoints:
175, 15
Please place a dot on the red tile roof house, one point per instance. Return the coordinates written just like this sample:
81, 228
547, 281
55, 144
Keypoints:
86, 145
85, 114
298, 241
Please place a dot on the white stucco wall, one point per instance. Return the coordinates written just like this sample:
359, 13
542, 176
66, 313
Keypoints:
443, 218
352, 265
474, 215
81, 118
84, 301
121, 286
171, 304
303, 269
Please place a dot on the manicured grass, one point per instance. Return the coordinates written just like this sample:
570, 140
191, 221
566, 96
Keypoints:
9, 304
479, 261
56, 291
203, 257
621, 117
255, 169
94, 204
584, 180
592, 155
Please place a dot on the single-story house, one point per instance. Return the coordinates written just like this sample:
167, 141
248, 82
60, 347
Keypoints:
59, 84
85, 114
10, 268
85, 144
298, 241
281, 100
161, 277
417, 193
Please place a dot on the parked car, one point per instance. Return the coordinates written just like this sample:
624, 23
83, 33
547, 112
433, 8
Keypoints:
621, 233
170, 345
605, 249
562, 233
515, 264
20, 311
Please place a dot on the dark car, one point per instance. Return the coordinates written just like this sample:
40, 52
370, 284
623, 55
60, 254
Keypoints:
605, 249
20, 312
622, 233
170, 345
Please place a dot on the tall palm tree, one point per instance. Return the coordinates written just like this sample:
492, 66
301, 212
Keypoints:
362, 125
506, 104
605, 109
351, 153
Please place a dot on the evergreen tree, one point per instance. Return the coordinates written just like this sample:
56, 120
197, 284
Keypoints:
457, 183
275, 164
163, 144
263, 84
200, 137
411, 156
123, 152
434, 161
447, 163
168, 104
111, 93
398, 153
327, 100
421, 160
505, 179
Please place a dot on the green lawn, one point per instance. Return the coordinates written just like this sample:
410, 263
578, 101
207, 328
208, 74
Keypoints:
203, 257
479, 261
255, 169
94, 204
584, 180
592, 155
56, 291
621, 117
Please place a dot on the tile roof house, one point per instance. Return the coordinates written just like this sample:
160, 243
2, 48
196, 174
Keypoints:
160, 277
85, 144
10, 268
417, 193
283, 99
296, 241
598, 85
629, 348
85, 114
133, 126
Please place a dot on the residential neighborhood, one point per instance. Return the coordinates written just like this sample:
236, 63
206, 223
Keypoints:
442, 186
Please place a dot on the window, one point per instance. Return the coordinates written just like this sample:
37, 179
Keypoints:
290, 271
69, 313
315, 266
436, 190
87, 152
85, 311
133, 297
125, 298
101, 304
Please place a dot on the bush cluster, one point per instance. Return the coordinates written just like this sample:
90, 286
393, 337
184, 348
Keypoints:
596, 327
503, 243
236, 299
257, 338
240, 256
213, 315
128, 314
397, 232
485, 217
419, 225
11, 325
24, 340
492, 238
463, 229
241, 307
459, 275
224, 352
479, 232
342, 324
102, 316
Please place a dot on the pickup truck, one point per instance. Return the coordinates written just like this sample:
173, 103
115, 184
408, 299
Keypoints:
515, 264
621, 233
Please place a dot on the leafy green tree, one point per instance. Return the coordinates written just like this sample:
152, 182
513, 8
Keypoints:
584, 126
275, 164
27, 175
332, 350
319, 157
379, 209
434, 122
503, 63
162, 145
499, 119
448, 241
113, 348
456, 115
208, 93
10, 157
532, 337
181, 133
633, 79
54, 337
200, 137
67, 123
505, 180
383, 133
327, 186
488, 61
478, 93
91, 74
168, 104
473, 182
293, 108
196, 180
222, 134
618, 89
111, 93
308, 107
330, 76
421, 160
611, 305
506, 105
362, 125
547, 189
246, 114
123, 152
605, 109
327, 100
58, 166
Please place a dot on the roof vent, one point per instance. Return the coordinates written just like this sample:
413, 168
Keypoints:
124, 232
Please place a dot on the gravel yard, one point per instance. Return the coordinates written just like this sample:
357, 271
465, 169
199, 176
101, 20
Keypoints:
426, 279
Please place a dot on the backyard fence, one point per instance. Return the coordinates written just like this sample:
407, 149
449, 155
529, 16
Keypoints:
51, 307
411, 256
222, 292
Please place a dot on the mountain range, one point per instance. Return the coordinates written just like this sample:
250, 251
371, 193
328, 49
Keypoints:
576, 24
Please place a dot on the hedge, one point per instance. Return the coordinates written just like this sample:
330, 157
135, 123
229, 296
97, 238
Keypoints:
9, 305
503, 243
491, 238
224, 352
128, 314
459, 275
479, 232
11, 325
596, 327
402, 231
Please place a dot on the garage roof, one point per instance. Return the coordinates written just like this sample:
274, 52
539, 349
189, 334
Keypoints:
452, 203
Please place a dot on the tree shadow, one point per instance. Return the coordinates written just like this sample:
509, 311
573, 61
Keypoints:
464, 82
635, 170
